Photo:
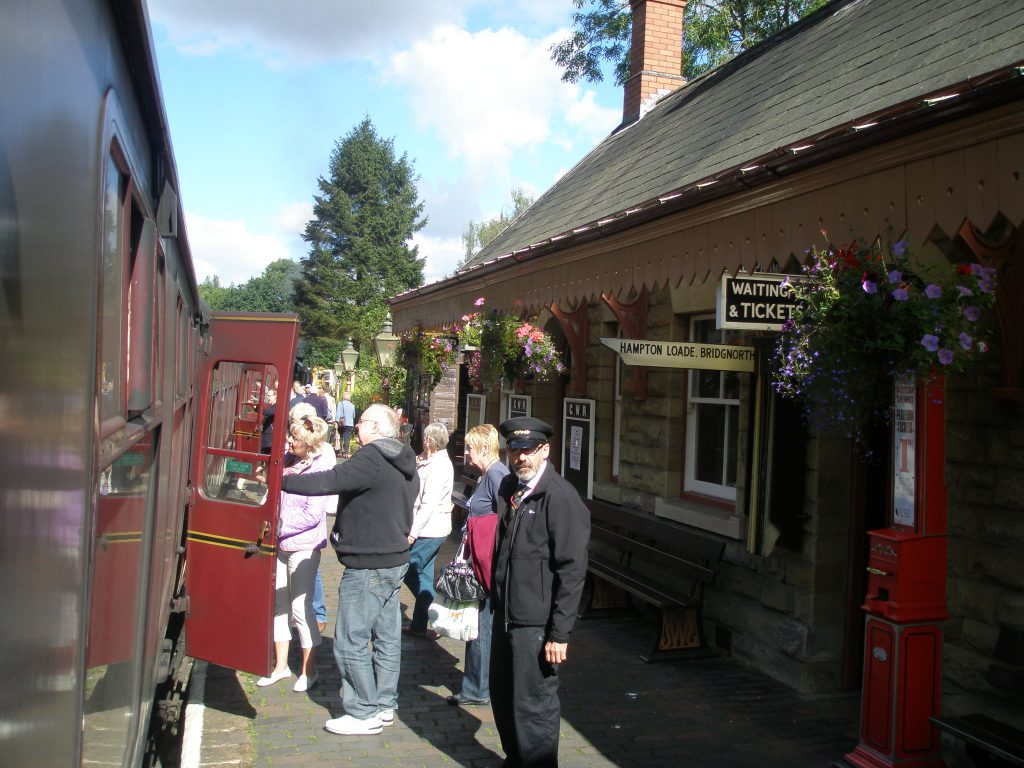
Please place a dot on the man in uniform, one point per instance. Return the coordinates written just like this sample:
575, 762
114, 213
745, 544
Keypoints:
539, 568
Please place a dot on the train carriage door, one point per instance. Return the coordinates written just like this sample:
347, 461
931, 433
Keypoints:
236, 483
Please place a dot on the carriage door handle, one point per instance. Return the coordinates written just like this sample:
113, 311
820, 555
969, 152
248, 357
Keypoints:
254, 548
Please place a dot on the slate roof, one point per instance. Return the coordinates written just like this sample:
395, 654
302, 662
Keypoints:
850, 59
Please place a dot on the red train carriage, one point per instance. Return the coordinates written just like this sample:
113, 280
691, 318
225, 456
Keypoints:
137, 493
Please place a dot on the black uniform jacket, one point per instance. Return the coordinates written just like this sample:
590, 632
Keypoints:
540, 560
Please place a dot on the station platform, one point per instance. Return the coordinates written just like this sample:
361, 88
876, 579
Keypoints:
708, 711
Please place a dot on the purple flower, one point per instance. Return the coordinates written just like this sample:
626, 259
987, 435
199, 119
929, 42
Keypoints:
869, 286
899, 247
972, 313
964, 291
930, 342
945, 356
966, 341
933, 291
895, 277
900, 294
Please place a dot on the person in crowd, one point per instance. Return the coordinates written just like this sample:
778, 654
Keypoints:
377, 488
346, 418
332, 407
267, 427
539, 568
432, 522
297, 394
315, 398
482, 453
299, 411
302, 533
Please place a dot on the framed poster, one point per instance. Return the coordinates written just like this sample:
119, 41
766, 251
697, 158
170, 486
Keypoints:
578, 445
904, 452
517, 405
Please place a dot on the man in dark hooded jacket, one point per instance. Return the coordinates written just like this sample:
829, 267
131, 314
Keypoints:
376, 488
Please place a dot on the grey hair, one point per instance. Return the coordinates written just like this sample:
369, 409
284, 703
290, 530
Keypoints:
385, 418
437, 434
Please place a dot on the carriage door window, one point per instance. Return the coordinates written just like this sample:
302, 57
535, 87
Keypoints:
112, 316
240, 428
712, 422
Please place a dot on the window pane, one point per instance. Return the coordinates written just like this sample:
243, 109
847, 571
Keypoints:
710, 443
111, 314
732, 441
708, 384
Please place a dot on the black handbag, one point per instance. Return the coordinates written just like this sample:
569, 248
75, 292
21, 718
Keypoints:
456, 580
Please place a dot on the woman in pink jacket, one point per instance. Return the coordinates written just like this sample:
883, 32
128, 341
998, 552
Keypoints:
302, 534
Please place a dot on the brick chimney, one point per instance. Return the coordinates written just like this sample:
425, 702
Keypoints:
656, 58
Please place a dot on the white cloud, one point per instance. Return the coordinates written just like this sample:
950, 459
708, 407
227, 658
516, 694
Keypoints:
442, 254
303, 32
491, 94
229, 250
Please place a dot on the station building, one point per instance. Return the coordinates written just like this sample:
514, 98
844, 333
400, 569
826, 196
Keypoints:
869, 119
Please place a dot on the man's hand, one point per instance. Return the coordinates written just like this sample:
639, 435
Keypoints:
555, 653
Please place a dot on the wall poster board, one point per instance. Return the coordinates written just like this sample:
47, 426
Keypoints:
904, 452
517, 405
578, 445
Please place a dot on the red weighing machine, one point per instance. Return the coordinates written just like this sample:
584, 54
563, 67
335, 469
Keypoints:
906, 593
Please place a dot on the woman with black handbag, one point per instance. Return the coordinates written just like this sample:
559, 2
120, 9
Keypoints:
482, 452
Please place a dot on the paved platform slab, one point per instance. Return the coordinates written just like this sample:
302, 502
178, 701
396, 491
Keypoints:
616, 711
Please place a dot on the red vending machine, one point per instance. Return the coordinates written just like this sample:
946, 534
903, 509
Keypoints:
906, 593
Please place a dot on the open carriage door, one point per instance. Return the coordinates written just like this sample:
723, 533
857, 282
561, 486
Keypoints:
236, 482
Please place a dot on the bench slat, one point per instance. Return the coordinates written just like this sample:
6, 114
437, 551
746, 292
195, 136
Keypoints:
659, 596
985, 733
654, 555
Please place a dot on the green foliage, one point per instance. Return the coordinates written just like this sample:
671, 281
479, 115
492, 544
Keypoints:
714, 32
477, 235
503, 347
359, 255
865, 315
429, 354
272, 291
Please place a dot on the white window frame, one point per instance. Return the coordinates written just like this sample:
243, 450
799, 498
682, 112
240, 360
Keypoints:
693, 403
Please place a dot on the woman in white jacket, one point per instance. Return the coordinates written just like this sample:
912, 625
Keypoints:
432, 522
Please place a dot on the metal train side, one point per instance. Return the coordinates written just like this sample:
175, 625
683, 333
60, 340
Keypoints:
100, 337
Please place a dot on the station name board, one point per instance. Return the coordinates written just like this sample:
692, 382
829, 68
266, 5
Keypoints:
755, 302
682, 354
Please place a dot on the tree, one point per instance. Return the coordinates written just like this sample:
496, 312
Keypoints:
713, 32
360, 255
272, 291
477, 235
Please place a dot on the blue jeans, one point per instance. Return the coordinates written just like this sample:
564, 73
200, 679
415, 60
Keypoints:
319, 607
476, 678
420, 579
369, 610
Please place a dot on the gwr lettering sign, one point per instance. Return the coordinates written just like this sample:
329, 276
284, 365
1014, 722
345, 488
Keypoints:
757, 302
682, 354
578, 445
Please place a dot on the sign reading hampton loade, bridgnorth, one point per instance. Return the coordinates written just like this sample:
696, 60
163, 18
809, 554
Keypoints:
682, 354
759, 302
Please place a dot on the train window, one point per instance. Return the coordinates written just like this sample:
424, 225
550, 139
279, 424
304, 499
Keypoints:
112, 316
124, 503
141, 338
240, 429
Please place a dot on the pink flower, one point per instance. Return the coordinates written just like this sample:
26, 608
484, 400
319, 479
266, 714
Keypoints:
479, 302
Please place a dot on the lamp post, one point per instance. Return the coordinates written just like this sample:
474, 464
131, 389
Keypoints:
384, 344
346, 364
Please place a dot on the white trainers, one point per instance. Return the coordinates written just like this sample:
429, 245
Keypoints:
387, 717
304, 683
274, 677
346, 725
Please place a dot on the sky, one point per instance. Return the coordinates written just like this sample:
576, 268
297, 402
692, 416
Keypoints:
259, 92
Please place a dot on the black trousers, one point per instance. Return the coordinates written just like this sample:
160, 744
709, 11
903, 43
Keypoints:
524, 696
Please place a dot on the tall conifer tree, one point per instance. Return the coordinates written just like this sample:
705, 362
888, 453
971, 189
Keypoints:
360, 251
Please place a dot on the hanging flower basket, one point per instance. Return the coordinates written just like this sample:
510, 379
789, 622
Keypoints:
505, 349
866, 314
428, 353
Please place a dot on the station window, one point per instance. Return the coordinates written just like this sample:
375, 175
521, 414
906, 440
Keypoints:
712, 423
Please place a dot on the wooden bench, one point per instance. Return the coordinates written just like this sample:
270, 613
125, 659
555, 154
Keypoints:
656, 562
988, 741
